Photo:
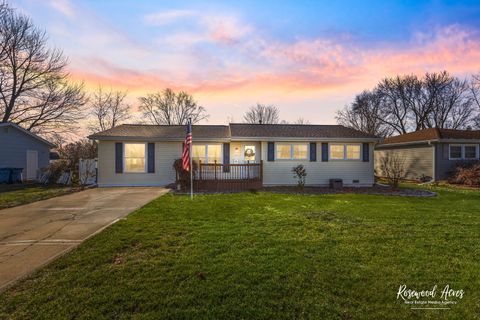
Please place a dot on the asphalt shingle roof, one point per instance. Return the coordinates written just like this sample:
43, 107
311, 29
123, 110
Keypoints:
295, 131
234, 130
163, 132
433, 134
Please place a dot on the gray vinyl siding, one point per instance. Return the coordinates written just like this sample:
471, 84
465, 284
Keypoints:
277, 172
445, 167
319, 173
165, 154
14, 145
418, 159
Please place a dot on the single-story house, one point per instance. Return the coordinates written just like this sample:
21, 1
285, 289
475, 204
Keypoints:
20, 148
143, 155
433, 152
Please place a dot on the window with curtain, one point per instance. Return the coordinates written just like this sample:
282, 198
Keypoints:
337, 151
345, 151
292, 151
353, 151
135, 157
284, 151
207, 153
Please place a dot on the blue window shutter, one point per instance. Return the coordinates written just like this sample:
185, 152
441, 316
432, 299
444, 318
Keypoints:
313, 151
271, 151
151, 158
226, 157
366, 152
324, 151
118, 157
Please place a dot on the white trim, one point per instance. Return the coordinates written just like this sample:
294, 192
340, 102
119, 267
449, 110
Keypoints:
345, 157
206, 150
434, 167
292, 157
462, 151
476, 151
302, 139
145, 157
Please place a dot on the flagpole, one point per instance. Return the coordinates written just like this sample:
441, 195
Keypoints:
190, 159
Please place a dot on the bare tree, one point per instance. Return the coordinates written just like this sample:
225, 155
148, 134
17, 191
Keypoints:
34, 89
262, 114
302, 121
407, 103
475, 89
108, 109
392, 167
397, 99
168, 107
453, 107
364, 114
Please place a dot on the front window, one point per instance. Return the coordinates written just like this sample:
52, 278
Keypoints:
207, 153
337, 151
300, 151
135, 157
462, 152
295, 151
345, 151
455, 152
284, 151
353, 151
470, 152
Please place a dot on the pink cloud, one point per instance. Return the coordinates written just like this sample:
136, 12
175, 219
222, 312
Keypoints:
317, 65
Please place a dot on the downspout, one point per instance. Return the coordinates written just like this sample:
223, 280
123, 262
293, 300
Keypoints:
434, 171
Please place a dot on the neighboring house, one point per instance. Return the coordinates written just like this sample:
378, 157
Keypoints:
143, 155
20, 148
433, 153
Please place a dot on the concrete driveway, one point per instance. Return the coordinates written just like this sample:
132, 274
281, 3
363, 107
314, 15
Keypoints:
32, 235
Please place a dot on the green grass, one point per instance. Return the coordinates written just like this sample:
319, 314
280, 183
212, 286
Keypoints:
266, 256
15, 195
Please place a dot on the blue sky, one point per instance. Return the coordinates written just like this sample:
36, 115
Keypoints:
307, 57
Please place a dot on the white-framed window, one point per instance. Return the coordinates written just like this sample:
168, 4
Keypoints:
345, 151
470, 152
292, 151
207, 153
134, 157
337, 151
462, 151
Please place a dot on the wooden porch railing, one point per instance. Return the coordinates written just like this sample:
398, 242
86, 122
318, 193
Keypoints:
220, 177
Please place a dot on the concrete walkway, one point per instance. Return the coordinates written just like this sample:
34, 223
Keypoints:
34, 234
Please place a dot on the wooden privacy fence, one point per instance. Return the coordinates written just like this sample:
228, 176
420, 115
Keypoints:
220, 177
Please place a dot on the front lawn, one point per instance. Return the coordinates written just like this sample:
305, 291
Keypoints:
268, 256
15, 195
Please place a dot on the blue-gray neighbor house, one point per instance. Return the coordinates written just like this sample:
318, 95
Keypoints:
20, 148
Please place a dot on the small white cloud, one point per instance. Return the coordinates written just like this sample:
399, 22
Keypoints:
166, 17
64, 7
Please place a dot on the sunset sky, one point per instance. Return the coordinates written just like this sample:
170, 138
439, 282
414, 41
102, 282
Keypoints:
309, 58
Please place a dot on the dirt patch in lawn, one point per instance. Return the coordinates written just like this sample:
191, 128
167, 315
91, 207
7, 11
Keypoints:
377, 189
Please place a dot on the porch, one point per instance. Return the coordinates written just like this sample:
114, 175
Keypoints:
218, 177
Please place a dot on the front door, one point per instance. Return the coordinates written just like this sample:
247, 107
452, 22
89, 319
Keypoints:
32, 165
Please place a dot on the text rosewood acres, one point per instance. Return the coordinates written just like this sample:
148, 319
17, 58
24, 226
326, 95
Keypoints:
446, 293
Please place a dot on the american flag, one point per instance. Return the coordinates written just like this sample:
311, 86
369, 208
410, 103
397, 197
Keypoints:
186, 148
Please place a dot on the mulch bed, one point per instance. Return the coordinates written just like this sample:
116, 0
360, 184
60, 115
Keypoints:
377, 189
